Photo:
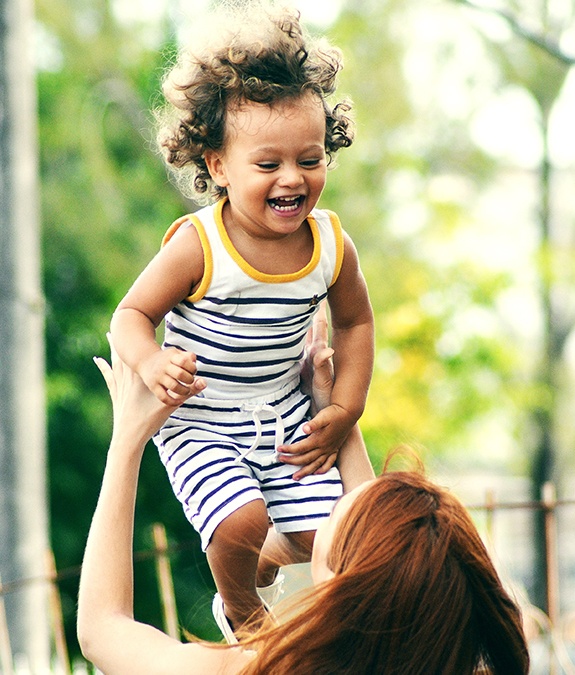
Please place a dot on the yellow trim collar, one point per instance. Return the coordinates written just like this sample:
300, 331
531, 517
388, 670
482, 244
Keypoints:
252, 271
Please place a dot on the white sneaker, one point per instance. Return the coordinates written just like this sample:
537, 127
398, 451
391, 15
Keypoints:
270, 595
222, 620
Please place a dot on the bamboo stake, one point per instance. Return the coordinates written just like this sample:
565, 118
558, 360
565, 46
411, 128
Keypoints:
489, 517
56, 615
5, 648
165, 581
549, 500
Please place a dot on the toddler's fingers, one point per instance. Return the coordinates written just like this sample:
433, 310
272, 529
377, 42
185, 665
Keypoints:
171, 398
177, 389
179, 392
306, 471
184, 360
304, 445
186, 377
198, 385
302, 456
319, 422
317, 467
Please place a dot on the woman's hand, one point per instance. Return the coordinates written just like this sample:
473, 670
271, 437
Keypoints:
108, 634
137, 412
317, 366
317, 454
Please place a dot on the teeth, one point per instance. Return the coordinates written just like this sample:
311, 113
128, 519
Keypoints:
286, 204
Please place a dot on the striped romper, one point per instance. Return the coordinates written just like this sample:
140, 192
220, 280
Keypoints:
248, 331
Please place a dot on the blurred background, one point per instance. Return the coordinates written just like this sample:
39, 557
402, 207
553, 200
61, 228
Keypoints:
459, 193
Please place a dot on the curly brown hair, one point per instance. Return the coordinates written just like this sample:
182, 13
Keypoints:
256, 54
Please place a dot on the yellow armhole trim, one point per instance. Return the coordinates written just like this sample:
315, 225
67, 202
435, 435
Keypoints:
174, 227
206, 248
338, 234
262, 276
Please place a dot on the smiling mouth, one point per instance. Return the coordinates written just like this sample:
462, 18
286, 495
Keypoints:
286, 204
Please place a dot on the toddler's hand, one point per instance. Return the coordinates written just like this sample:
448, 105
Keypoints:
171, 375
318, 452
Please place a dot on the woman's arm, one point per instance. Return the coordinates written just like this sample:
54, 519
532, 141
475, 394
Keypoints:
353, 461
317, 377
109, 635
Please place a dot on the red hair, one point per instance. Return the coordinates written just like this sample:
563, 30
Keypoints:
414, 592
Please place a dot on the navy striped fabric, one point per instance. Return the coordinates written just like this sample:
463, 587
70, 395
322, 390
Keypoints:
248, 330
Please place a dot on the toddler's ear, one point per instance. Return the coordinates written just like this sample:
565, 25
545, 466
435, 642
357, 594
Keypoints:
215, 165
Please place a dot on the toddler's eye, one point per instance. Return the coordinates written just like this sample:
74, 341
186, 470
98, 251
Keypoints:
267, 166
310, 163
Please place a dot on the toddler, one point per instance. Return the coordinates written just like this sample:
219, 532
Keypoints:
248, 125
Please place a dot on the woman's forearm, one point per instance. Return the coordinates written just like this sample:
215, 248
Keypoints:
109, 635
353, 461
106, 585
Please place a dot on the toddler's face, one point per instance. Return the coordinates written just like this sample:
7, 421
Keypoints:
273, 164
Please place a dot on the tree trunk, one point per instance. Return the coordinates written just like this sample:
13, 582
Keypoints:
543, 466
23, 512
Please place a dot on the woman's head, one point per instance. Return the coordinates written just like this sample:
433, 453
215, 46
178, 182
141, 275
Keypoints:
412, 590
409, 552
252, 54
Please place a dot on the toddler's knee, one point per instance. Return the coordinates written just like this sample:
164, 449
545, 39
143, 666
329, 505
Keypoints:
247, 526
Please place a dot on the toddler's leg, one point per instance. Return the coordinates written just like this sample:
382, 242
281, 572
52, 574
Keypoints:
233, 554
280, 549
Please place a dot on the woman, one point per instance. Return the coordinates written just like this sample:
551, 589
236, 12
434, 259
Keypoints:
403, 582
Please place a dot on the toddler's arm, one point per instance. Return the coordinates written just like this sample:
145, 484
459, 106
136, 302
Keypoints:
353, 342
170, 277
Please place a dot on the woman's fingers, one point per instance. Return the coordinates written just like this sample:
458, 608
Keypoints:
106, 370
113, 352
320, 335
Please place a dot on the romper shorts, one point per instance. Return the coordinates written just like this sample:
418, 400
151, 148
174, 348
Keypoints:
201, 447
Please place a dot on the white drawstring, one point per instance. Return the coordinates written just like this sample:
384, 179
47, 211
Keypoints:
256, 410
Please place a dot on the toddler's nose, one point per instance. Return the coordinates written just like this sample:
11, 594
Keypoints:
291, 176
